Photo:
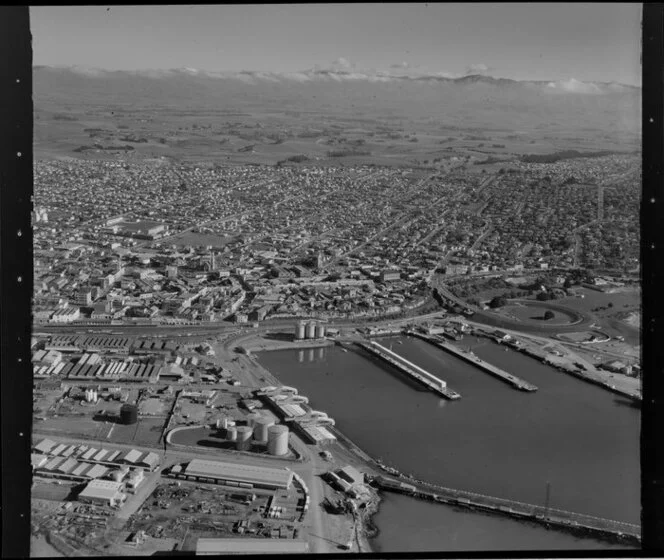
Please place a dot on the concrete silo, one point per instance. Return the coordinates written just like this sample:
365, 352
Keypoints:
311, 329
261, 427
252, 419
243, 442
300, 330
320, 330
231, 433
277, 440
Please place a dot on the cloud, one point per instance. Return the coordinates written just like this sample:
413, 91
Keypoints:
449, 75
575, 86
342, 63
478, 69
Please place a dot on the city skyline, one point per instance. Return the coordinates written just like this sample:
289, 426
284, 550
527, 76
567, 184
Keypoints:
585, 42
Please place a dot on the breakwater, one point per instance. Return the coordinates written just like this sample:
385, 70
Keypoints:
504, 449
577, 522
513, 380
438, 386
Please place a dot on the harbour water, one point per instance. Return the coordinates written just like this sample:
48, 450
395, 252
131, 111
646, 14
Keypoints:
581, 440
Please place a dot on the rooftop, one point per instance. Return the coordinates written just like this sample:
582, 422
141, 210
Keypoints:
240, 472
102, 489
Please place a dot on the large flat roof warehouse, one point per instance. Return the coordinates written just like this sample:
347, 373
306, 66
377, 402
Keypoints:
250, 546
239, 472
101, 489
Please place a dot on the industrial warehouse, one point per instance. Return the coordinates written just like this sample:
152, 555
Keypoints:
234, 474
81, 462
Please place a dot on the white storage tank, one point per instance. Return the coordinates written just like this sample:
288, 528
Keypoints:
252, 419
117, 476
231, 433
260, 428
277, 439
300, 330
320, 330
243, 438
311, 330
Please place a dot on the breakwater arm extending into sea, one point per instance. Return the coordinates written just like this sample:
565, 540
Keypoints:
576, 522
513, 380
438, 386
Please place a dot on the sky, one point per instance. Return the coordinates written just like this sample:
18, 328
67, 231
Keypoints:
525, 41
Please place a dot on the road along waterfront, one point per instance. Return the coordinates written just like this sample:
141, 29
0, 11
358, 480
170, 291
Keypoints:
495, 440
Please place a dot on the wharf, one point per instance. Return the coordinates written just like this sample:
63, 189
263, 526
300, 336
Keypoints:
438, 386
513, 380
546, 515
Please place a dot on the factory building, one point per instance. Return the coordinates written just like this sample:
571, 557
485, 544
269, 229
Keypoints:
44, 446
234, 474
103, 492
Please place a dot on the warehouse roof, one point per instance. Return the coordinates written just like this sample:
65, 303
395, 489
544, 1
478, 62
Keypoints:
82, 467
132, 456
38, 460
240, 472
53, 463
67, 465
250, 546
151, 459
101, 489
97, 471
45, 445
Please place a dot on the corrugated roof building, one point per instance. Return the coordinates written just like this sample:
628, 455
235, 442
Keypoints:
97, 471
102, 492
45, 446
237, 473
150, 461
131, 456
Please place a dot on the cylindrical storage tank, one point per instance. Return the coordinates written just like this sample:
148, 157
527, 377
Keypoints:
129, 414
320, 330
311, 330
260, 428
252, 419
277, 440
117, 476
244, 438
231, 433
299, 331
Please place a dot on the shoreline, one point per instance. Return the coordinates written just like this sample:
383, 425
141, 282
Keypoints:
370, 528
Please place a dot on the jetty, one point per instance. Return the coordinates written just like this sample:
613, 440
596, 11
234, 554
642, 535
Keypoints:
437, 385
541, 514
469, 357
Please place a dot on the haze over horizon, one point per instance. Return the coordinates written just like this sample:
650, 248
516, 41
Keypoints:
537, 42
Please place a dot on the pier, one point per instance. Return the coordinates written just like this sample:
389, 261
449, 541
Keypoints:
438, 386
540, 514
513, 380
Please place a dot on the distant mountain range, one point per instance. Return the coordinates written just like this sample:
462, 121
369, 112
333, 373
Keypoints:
335, 75
570, 107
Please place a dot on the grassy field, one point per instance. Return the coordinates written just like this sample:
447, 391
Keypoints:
535, 313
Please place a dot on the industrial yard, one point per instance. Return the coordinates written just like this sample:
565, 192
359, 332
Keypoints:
126, 467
